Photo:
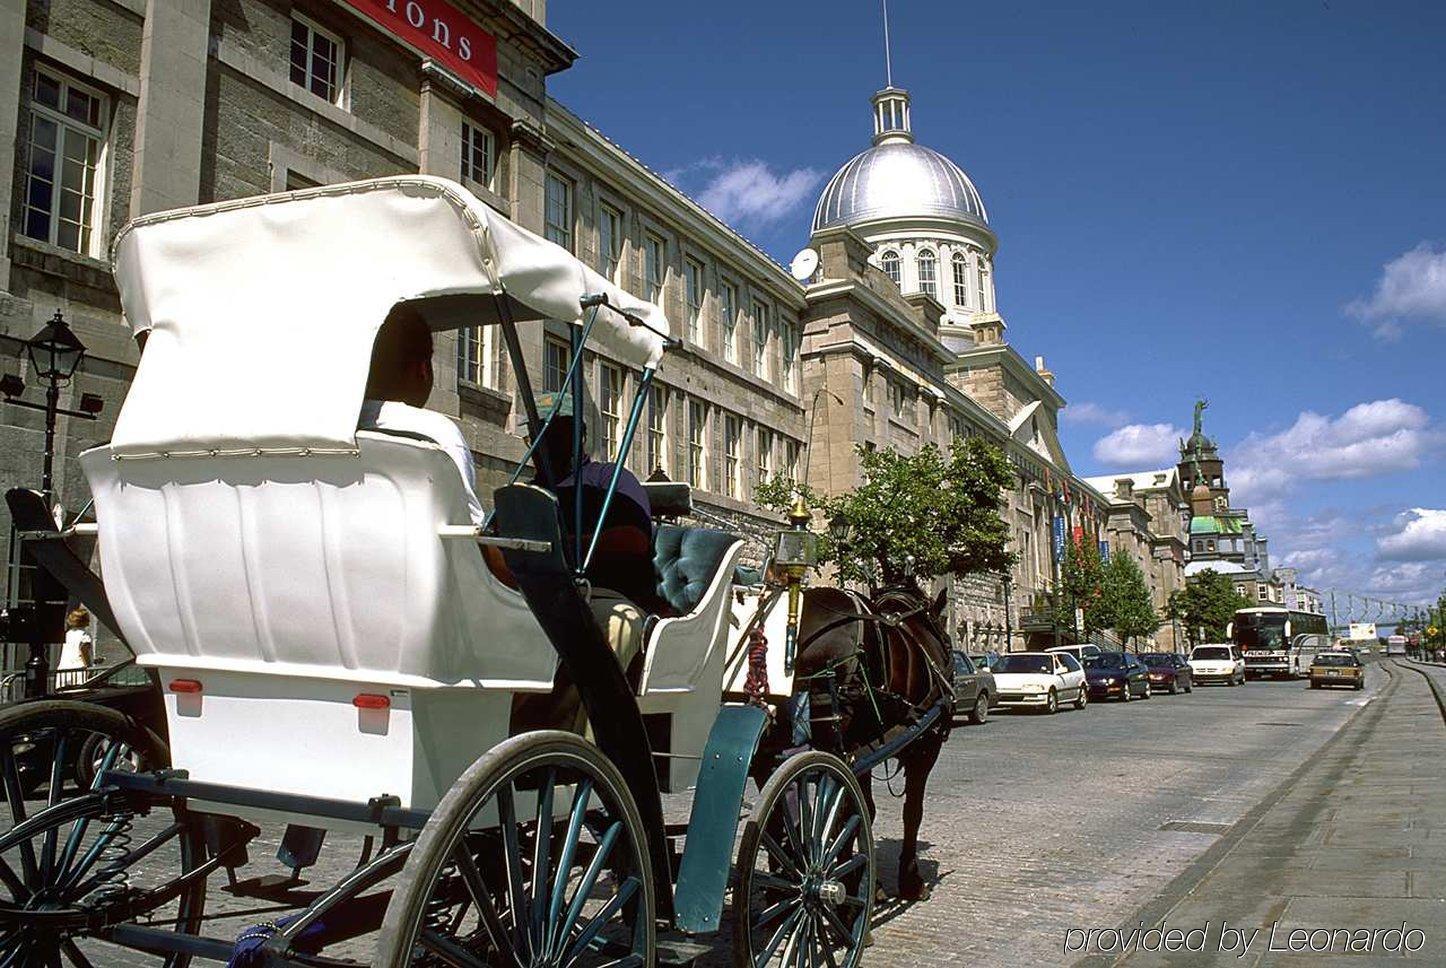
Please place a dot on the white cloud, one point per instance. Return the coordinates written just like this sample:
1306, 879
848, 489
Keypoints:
1412, 287
1140, 445
1410, 581
749, 191
1369, 439
1093, 413
1420, 536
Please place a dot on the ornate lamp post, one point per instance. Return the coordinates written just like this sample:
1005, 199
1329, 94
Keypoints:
795, 550
54, 354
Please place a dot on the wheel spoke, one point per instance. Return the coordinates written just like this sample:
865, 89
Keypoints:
805, 823
770, 882
849, 866
827, 947
16, 800
831, 920
124, 862
449, 951
486, 910
778, 910
625, 893
581, 796
790, 947
776, 851
57, 781
830, 811
516, 896
107, 761
12, 881
541, 860
845, 835
74, 955
589, 881
765, 956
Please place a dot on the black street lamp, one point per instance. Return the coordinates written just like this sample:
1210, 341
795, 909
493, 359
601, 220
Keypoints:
54, 353
1008, 621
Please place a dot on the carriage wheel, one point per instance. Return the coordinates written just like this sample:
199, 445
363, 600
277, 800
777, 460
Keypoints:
805, 888
79, 864
535, 857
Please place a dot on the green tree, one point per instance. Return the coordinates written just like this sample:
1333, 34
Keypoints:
914, 517
1125, 604
1209, 601
1079, 586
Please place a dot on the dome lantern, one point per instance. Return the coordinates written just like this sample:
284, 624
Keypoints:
891, 116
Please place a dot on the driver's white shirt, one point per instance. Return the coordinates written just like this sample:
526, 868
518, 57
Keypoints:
389, 416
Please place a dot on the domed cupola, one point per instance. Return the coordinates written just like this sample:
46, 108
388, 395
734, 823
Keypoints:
897, 178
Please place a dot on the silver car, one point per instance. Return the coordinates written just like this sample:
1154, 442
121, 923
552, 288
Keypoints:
974, 689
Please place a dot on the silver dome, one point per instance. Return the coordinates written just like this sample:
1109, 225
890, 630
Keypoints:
898, 179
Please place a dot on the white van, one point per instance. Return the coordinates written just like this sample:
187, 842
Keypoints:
1080, 652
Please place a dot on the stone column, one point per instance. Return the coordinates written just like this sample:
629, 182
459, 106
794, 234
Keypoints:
174, 49
439, 138
12, 46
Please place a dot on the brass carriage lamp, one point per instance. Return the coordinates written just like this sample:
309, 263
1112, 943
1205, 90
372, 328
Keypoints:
795, 550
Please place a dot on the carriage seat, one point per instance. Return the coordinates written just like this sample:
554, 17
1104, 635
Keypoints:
686, 561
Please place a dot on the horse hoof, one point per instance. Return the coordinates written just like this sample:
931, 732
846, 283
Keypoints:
914, 890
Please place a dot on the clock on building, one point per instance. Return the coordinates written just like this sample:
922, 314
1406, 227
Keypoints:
1221, 504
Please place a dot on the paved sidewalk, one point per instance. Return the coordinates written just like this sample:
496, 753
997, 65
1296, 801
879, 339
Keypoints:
1356, 841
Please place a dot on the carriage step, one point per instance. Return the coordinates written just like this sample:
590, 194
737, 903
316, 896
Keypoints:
675, 948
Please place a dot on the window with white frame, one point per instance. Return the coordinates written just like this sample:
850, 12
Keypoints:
62, 203
693, 290
960, 266
765, 454
610, 405
654, 266
928, 277
557, 211
898, 397
477, 355
890, 262
732, 455
983, 284
479, 154
728, 300
697, 443
556, 358
788, 346
610, 242
316, 59
657, 429
790, 458
762, 323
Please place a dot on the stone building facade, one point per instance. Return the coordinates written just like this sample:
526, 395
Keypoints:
1147, 520
110, 109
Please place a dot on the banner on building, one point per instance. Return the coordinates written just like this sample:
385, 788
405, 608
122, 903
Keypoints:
440, 31
1058, 538
1104, 552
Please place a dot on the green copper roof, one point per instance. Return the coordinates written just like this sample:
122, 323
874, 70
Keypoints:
1210, 524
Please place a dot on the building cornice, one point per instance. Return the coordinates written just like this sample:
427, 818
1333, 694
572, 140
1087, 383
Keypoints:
1002, 354
906, 319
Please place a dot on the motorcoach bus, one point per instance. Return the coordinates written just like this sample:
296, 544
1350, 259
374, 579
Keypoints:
1273, 639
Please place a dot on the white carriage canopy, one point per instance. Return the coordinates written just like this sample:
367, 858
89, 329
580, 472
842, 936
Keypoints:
262, 312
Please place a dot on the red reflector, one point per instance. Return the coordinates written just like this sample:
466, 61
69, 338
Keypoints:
370, 700
185, 685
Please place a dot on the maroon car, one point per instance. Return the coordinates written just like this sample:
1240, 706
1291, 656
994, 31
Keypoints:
1169, 672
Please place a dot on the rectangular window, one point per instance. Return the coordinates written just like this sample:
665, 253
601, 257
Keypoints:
728, 298
983, 276
790, 458
697, 443
733, 455
761, 325
479, 151
556, 357
610, 242
610, 403
693, 286
898, 396
477, 355
316, 59
654, 267
788, 345
658, 429
67, 134
765, 454
557, 211
961, 281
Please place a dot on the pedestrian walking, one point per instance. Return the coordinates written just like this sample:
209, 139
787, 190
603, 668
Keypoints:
78, 652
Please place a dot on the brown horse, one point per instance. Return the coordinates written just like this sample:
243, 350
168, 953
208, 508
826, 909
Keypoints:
873, 667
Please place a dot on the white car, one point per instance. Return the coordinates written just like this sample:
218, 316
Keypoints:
1041, 680
1217, 663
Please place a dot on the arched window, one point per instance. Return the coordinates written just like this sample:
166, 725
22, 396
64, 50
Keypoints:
927, 275
961, 280
983, 284
890, 262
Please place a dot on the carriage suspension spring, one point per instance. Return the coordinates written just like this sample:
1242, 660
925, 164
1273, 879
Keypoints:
112, 872
441, 910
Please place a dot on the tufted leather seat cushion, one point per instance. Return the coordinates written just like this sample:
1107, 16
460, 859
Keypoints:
686, 559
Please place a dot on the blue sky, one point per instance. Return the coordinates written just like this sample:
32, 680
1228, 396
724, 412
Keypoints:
1237, 200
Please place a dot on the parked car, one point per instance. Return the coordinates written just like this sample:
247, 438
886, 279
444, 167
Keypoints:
1040, 680
1337, 669
1115, 675
1169, 672
1080, 652
984, 659
1217, 663
974, 689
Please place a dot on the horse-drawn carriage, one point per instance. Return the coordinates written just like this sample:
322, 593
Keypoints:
339, 658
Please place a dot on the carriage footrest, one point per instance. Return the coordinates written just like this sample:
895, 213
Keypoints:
675, 948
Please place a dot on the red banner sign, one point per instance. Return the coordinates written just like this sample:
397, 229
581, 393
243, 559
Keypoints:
440, 31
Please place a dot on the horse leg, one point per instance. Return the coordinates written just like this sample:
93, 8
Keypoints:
918, 762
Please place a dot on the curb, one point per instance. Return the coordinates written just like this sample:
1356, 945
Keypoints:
1430, 681
1155, 912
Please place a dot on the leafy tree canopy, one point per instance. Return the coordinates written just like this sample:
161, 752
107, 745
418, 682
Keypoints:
1209, 601
1125, 604
916, 517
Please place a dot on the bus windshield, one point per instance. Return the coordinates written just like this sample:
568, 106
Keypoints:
1260, 630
